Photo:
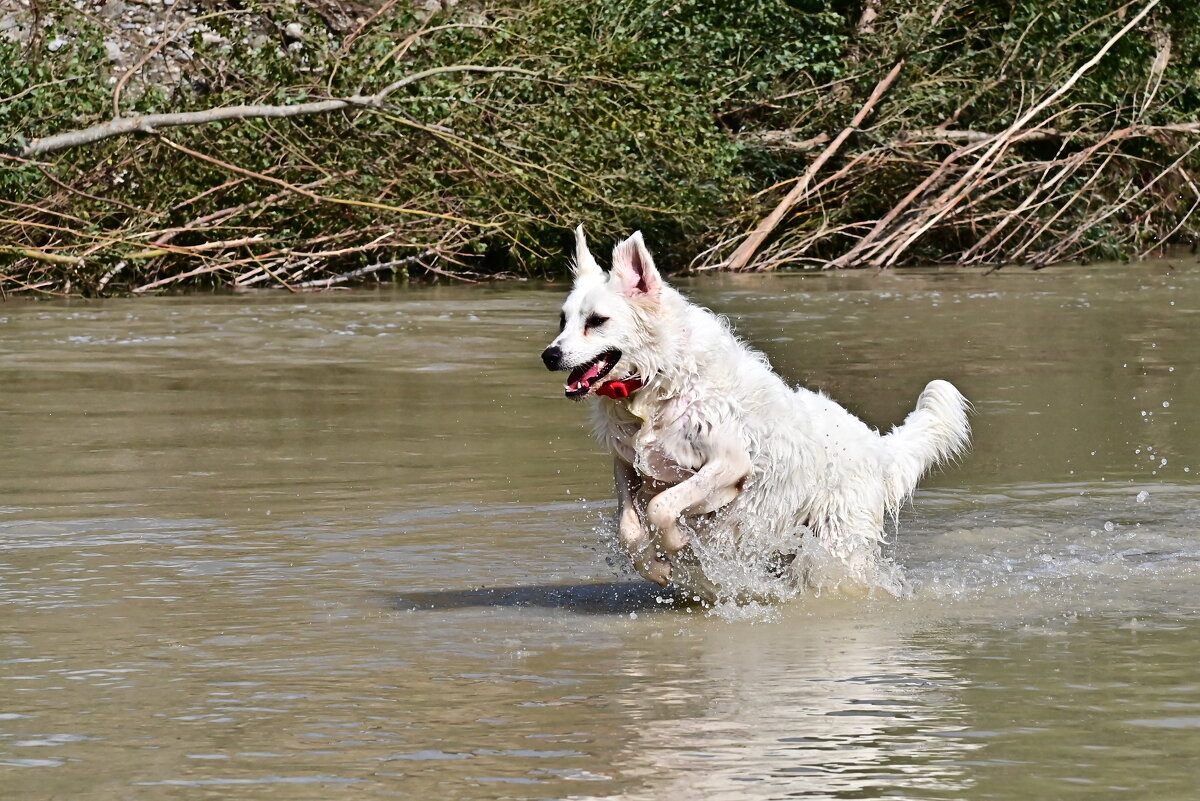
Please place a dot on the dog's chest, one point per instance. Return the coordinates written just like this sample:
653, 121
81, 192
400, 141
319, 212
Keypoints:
662, 444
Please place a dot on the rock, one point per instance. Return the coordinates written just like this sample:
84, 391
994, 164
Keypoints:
113, 10
112, 51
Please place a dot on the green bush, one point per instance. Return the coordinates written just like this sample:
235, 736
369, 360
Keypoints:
656, 116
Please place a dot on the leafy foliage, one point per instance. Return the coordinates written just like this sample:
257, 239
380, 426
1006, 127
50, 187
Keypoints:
653, 115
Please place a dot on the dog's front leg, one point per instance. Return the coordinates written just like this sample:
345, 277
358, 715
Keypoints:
714, 485
634, 537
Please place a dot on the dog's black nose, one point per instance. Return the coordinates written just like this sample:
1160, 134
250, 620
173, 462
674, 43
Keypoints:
552, 357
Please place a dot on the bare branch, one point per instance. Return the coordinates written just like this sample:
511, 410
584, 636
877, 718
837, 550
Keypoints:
150, 123
41, 255
951, 197
325, 283
741, 257
324, 198
784, 140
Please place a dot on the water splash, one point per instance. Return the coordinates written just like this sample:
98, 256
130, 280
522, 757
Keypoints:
751, 575
1086, 546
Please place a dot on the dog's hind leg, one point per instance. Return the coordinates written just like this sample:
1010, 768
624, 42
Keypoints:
853, 539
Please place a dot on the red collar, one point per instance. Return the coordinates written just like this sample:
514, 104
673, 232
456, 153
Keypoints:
619, 390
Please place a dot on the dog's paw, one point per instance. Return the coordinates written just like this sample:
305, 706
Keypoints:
651, 566
648, 561
666, 524
657, 570
672, 539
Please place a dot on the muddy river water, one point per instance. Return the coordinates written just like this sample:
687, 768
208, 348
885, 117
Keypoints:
356, 546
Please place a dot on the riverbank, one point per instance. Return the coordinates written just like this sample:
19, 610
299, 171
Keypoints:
318, 144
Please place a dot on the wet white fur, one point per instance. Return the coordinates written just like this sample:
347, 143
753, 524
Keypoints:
714, 429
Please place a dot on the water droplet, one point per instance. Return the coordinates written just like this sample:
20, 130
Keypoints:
1166, 404
633, 615
1109, 525
1142, 496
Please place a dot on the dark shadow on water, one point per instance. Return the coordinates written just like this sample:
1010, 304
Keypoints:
603, 598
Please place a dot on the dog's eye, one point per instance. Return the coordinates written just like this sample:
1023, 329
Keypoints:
595, 321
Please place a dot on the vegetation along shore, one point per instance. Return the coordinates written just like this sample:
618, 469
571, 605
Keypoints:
179, 144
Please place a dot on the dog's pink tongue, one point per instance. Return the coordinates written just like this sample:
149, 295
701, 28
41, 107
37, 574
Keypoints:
586, 379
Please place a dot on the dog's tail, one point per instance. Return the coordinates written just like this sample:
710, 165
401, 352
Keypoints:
933, 433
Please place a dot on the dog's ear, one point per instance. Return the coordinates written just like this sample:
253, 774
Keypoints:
634, 268
584, 266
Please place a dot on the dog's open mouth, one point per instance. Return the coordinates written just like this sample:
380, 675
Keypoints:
581, 379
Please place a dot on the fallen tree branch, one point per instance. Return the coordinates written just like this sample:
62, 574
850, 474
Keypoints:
787, 139
188, 250
741, 257
1167, 238
24, 285
41, 255
151, 123
1067, 167
324, 283
938, 176
784, 140
204, 270
937, 135
953, 196
1056, 253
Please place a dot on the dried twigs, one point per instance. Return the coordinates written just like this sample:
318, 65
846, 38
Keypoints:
1191, 184
988, 201
353, 275
1000, 138
323, 198
741, 257
958, 191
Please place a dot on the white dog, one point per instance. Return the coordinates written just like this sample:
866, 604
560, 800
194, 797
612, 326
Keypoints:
709, 442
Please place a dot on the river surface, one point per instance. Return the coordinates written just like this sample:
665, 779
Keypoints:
356, 545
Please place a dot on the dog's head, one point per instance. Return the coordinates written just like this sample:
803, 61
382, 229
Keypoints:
607, 323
